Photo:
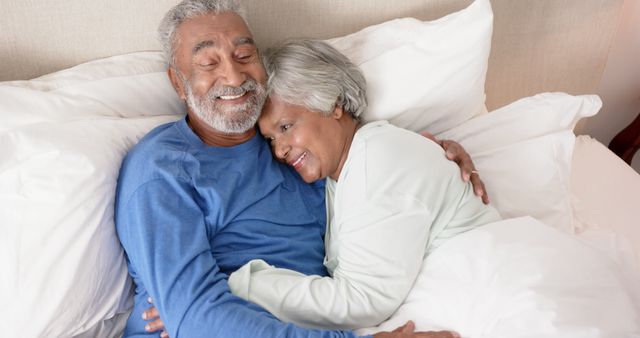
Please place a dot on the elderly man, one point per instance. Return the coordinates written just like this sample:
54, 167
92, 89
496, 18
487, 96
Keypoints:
200, 197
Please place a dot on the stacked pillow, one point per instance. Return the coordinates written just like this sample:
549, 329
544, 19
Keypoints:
523, 152
424, 75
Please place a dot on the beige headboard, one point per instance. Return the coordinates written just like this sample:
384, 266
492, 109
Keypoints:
541, 45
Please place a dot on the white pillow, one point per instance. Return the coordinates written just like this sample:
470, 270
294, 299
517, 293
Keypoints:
523, 152
63, 139
424, 75
64, 270
122, 86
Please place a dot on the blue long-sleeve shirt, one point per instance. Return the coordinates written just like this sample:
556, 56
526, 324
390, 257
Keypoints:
189, 214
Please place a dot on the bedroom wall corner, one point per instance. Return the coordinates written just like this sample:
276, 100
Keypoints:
620, 84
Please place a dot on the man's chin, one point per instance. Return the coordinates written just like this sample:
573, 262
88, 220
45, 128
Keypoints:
237, 125
229, 118
239, 130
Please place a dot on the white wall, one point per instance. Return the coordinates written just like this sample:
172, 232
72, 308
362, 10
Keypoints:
620, 85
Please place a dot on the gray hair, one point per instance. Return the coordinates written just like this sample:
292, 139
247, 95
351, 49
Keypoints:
188, 9
313, 74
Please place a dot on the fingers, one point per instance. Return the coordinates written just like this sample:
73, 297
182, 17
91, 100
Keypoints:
400, 328
154, 326
150, 313
409, 327
446, 144
153, 316
430, 136
400, 333
437, 334
479, 188
455, 152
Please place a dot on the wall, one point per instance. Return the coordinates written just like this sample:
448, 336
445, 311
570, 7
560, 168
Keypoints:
620, 85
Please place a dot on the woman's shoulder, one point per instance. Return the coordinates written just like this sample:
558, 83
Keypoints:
385, 160
386, 152
382, 141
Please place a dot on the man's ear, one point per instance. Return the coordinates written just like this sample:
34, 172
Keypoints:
177, 83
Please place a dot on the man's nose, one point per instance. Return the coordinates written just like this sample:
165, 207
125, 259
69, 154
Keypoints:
233, 73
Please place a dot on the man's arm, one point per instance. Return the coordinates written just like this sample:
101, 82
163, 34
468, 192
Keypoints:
162, 230
456, 153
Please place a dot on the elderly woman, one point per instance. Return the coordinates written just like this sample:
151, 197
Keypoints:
392, 196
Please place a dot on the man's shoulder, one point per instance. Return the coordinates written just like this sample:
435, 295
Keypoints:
163, 142
160, 139
162, 149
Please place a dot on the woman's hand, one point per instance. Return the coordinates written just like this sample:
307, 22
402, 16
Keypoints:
154, 322
408, 331
456, 153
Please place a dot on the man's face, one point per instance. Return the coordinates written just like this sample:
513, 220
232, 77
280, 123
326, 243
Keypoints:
220, 73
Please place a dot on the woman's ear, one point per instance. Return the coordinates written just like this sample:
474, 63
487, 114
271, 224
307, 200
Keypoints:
176, 83
337, 112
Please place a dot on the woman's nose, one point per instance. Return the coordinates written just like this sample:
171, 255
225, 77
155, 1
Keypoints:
282, 150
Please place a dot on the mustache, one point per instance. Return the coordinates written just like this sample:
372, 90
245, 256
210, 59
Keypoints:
246, 86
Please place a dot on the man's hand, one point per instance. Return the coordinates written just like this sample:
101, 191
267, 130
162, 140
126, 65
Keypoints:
407, 331
155, 323
456, 153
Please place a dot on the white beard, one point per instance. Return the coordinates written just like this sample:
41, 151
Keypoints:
228, 119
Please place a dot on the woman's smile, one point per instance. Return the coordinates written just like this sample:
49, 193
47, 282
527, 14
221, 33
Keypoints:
299, 162
313, 143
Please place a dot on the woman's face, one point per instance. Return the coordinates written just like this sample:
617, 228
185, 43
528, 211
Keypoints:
310, 142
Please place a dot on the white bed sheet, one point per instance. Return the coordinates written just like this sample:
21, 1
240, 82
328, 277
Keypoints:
521, 278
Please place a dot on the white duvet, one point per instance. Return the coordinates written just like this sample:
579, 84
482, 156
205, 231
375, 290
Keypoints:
521, 278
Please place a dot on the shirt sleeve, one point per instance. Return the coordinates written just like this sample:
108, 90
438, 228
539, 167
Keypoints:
162, 230
382, 241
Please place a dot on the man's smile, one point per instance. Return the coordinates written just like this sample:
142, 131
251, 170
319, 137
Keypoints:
230, 97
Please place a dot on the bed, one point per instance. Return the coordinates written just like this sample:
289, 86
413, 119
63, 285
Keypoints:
83, 81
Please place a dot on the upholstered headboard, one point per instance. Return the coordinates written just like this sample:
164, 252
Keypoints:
543, 45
